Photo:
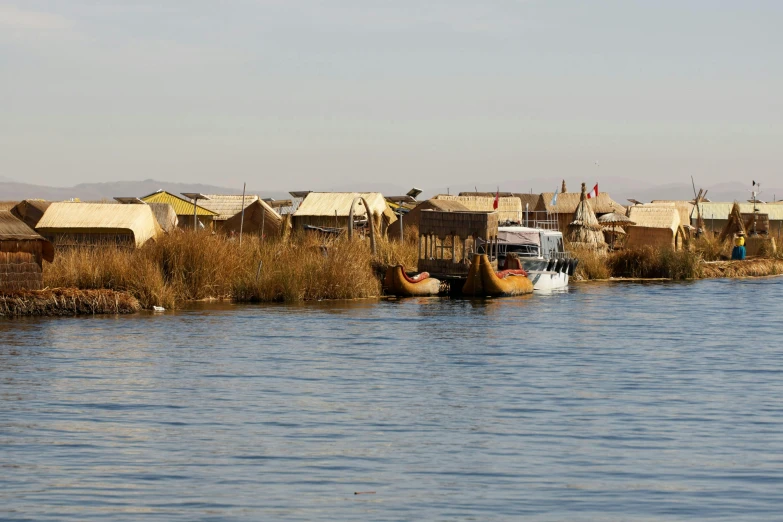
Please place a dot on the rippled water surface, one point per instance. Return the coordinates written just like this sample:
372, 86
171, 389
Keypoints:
609, 402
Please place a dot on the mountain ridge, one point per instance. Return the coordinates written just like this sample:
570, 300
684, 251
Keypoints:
619, 188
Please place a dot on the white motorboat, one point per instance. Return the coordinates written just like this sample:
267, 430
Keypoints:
541, 253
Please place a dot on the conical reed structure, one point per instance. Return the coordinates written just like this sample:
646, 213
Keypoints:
734, 225
563, 189
585, 228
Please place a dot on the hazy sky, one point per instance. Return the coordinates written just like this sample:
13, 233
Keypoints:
290, 94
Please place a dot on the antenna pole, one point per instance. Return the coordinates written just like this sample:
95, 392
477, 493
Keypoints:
242, 219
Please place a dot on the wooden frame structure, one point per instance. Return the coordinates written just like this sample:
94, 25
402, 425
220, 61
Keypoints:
447, 240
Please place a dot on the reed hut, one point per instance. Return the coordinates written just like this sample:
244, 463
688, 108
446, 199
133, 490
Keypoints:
584, 229
260, 219
183, 209
30, 211
529, 201
509, 207
331, 210
565, 206
655, 226
488, 194
226, 206
684, 208
414, 216
82, 224
22, 252
447, 240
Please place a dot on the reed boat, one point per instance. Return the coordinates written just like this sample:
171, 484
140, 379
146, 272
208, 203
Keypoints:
484, 281
399, 283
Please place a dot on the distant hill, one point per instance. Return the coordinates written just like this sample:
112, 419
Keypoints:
619, 188
14, 191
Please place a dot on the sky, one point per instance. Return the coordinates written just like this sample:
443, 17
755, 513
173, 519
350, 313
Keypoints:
289, 94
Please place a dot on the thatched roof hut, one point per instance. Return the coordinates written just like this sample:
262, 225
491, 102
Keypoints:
258, 215
98, 223
684, 208
565, 207
532, 201
30, 211
655, 226
22, 252
487, 194
414, 216
331, 209
509, 207
584, 228
226, 206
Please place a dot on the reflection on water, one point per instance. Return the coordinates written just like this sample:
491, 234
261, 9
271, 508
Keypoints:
610, 401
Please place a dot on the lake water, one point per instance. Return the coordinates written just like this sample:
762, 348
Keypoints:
621, 401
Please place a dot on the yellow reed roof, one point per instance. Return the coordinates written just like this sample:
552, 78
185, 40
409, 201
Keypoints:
182, 207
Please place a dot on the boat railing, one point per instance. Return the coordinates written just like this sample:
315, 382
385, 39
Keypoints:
538, 219
560, 255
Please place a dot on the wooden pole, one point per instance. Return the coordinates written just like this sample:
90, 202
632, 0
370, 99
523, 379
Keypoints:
263, 220
195, 226
242, 219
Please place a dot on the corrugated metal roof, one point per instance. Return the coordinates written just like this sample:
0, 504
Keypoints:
181, 206
327, 203
722, 210
226, 205
66, 217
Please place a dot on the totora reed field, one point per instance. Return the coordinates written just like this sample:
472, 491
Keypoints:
191, 266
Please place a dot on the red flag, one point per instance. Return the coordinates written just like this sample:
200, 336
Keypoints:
593, 193
497, 200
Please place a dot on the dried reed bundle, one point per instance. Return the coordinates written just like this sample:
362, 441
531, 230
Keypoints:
747, 268
66, 301
584, 228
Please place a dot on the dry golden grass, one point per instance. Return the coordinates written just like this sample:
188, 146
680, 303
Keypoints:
651, 262
198, 265
709, 248
191, 265
592, 264
643, 263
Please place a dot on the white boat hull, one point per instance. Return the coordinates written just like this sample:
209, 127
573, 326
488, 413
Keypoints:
544, 281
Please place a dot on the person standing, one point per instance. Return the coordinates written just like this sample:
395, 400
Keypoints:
738, 252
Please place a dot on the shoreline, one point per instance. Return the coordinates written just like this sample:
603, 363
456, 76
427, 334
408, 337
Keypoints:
71, 302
